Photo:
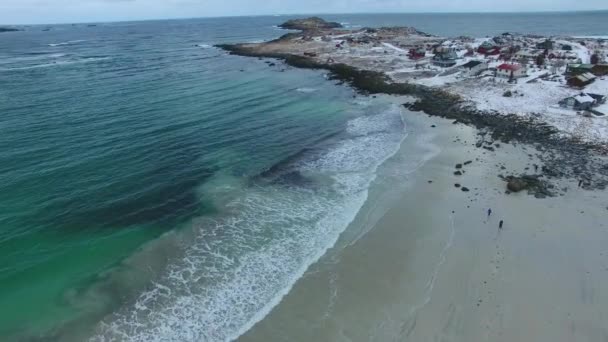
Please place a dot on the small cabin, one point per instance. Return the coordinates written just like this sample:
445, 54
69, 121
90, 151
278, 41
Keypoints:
474, 67
546, 45
445, 59
581, 81
579, 102
511, 71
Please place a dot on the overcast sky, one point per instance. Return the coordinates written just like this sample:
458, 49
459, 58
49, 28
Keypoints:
67, 11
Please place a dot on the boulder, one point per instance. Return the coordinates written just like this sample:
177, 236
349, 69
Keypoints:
517, 184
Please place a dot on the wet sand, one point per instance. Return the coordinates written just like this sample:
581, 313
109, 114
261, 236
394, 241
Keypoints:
423, 262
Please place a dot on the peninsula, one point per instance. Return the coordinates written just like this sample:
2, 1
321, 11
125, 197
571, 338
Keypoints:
549, 92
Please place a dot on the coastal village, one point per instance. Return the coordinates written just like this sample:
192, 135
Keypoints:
562, 81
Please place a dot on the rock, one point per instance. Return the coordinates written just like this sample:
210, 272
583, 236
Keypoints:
517, 184
465, 189
457, 173
507, 93
433, 126
308, 24
468, 162
459, 166
8, 29
457, 185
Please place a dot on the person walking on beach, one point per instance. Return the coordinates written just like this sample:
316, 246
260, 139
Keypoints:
489, 212
500, 224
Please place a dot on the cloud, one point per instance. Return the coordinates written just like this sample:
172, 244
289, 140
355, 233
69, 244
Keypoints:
49, 11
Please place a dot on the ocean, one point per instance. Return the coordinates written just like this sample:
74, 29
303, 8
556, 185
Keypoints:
154, 187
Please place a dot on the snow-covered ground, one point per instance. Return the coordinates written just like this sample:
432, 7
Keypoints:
537, 94
540, 100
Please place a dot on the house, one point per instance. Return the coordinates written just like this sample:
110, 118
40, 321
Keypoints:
527, 54
600, 69
580, 81
510, 71
581, 101
578, 69
488, 48
546, 45
416, 53
445, 59
599, 99
475, 67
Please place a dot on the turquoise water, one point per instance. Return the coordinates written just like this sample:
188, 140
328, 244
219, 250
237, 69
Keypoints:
155, 184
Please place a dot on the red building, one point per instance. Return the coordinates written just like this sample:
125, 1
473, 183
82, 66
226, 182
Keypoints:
511, 70
416, 53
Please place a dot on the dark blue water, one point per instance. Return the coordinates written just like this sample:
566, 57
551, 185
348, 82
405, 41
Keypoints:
157, 184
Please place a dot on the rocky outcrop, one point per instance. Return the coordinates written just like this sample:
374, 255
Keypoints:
532, 183
309, 24
8, 29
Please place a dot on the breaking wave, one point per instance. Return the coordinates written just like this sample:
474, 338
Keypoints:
237, 266
71, 42
306, 90
56, 63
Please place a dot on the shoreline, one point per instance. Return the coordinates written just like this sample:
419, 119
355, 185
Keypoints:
422, 261
562, 156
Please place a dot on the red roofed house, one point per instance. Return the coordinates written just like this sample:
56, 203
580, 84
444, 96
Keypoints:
514, 70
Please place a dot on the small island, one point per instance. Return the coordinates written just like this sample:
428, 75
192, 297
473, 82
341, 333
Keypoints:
309, 24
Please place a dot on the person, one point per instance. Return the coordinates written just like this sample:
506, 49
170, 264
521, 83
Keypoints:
489, 212
500, 224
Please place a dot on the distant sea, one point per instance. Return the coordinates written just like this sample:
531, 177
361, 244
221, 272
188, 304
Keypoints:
174, 192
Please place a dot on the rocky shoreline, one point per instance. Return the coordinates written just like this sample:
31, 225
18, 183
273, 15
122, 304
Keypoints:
562, 157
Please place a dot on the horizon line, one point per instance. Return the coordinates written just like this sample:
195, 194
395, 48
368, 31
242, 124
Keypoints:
305, 14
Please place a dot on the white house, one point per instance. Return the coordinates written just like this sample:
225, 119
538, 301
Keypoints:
509, 71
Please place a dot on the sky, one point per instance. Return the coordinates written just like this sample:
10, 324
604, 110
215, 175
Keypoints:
70, 11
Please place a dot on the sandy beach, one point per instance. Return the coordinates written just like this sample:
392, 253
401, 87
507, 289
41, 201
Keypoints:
423, 261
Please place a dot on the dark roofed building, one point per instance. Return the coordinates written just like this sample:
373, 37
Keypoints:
580, 81
578, 69
546, 45
475, 67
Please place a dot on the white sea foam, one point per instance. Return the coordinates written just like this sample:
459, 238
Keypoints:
306, 90
71, 42
240, 266
204, 46
57, 63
